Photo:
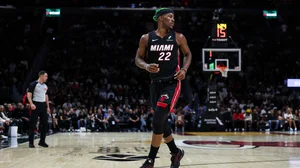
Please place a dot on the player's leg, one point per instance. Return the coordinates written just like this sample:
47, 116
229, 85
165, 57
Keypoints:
174, 92
171, 97
160, 114
168, 96
169, 140
177, 154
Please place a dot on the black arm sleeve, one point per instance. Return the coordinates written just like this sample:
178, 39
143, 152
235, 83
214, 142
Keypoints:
32, 86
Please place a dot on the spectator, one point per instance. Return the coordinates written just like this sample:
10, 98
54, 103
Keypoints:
248, 120
26, 117
67, 105
65, 121
280, 118
290, 119
82, 122
73, 118
110, 95
263, 122
17, 115
238, 121
4, 114
233, 101
242, 104
171, 120
113, 121
187, 109
126, 115
201, 111
179, 121
273, 118
296, 117
5, 121
134, 119
55, 119
255, 119
92, 122
150, 119
1, 129
101, 122
143, 120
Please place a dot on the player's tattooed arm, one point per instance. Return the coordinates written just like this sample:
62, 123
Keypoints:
140, 56
182, 43
185, 50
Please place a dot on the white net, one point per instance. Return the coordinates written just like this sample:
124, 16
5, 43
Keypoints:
223, 70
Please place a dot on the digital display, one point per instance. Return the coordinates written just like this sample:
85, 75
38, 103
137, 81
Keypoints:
52, 12
270, 14
219, 32
293, 83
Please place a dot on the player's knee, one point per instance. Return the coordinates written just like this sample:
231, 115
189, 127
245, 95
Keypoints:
160, 115
158, 127
167, 132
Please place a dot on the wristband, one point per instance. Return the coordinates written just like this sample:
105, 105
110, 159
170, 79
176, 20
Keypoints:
184, 70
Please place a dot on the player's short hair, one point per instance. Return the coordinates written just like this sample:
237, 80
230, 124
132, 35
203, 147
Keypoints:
42, 73
161, 11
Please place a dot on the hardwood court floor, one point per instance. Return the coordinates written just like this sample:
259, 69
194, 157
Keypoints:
128, 150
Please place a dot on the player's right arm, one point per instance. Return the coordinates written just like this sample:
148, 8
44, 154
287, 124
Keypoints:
140, 56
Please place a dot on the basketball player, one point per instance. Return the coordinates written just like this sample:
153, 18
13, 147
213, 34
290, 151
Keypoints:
160, 48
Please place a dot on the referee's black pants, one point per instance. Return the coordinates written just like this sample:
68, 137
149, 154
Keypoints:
40, 111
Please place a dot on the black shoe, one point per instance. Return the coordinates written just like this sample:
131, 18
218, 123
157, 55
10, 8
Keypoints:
175, 159
31, 146
43, 145
149, 163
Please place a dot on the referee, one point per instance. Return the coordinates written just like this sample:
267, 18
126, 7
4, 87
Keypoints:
38, 98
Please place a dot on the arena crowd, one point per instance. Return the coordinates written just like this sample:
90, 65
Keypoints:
94, 84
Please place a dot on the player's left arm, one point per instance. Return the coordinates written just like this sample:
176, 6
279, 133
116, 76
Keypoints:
182, 43
47, 102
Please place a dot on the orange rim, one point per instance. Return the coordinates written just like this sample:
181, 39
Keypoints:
222, 68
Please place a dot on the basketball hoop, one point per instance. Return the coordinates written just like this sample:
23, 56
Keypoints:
223, 70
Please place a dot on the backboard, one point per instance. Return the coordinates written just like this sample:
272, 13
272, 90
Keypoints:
229, 57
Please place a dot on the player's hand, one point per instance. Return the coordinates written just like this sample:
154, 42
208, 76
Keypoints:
32, 106
48, 110
152, 68
180, 75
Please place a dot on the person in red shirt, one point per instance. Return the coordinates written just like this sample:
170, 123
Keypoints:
238, 120
10, 108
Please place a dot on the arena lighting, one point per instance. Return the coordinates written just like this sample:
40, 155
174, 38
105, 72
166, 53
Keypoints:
7, 7
293, 83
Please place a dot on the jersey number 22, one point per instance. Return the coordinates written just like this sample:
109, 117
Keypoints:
164, 56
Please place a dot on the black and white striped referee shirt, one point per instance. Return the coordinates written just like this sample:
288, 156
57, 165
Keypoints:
39, 91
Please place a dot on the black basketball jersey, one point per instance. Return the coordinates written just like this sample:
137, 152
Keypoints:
163, 51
